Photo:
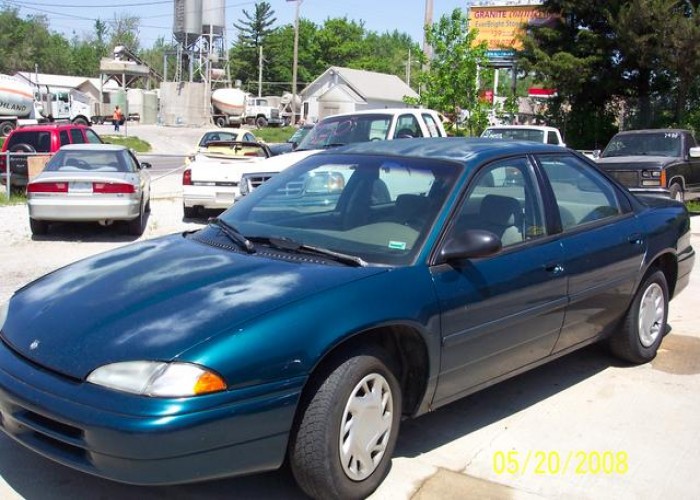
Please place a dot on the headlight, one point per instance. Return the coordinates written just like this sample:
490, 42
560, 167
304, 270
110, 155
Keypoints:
158, 379
4, 307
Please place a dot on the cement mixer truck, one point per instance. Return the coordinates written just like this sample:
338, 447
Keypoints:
234, 107
22, 103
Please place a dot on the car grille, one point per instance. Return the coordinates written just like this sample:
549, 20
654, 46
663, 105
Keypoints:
626, 177
251, 181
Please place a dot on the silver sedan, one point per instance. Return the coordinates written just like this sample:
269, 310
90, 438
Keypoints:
90, 182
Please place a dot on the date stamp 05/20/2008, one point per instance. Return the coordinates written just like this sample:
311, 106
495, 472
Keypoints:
554, 462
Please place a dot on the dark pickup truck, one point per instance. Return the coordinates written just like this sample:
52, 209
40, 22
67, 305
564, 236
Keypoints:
663, 162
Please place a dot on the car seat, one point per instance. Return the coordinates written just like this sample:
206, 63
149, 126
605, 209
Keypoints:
502, 215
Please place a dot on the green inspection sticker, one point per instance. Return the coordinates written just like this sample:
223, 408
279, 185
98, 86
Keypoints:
397, 245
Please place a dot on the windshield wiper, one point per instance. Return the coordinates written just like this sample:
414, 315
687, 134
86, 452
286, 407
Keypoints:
288, 244
233, 234
334, 145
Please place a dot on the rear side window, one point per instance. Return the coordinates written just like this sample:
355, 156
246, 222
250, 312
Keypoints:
432, 125
92, 137
552, 138
76, 136
582, 194
64, 138
407, 126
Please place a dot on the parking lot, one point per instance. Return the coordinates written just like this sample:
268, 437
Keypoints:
585, 426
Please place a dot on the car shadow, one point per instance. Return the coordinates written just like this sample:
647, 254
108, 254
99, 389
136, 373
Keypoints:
464, 416
115, 232
35, 477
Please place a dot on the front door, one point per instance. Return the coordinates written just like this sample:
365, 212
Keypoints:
503, 312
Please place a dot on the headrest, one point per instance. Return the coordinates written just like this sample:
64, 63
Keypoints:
501, 210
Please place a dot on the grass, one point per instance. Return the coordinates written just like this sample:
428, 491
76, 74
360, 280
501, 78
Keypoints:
274, 134
693, 206
130, 142
16, 198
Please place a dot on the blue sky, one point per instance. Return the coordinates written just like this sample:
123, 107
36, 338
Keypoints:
68, 16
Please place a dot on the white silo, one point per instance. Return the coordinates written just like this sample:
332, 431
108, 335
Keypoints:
187, 21
213, 17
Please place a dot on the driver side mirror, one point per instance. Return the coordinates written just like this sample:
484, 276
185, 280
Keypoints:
471, 244
145, 164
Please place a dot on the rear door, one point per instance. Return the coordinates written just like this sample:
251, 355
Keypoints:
603, 246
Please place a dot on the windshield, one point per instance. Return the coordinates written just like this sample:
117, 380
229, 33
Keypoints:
341, 130
89, 161
517, 134
644, 144
376, 208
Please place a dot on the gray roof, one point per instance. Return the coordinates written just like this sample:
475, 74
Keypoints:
372, 85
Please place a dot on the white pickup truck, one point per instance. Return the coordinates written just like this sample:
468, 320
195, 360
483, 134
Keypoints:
534, 133
350, 128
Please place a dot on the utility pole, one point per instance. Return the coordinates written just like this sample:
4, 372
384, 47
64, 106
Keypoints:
296, 60
427, 49
260, 71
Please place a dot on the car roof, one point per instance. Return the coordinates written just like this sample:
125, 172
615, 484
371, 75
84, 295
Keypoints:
461, 149
225, 130
654, 130
93, 147
522, 127
45, 127
382, 111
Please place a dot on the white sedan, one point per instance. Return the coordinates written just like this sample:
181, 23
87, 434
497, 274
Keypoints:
90, 182
212, 179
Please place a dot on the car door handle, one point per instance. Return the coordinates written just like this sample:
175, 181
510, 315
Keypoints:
554, 268
635, 239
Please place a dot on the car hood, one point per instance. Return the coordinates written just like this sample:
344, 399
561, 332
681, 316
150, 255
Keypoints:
153, 301
634, 162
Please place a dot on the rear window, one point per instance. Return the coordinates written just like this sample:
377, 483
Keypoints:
39, 141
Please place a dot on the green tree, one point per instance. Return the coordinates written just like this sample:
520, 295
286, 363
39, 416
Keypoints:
124, 31
341, 43
253, 31
280, 58
450, 83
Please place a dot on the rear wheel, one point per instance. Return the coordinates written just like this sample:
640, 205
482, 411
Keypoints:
220, 121
6, 128
38, 227
645, 324
189, 212
261, 122
137, 226
346, 431
676, 192
80, 121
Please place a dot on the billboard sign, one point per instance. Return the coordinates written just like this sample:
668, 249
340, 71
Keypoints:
500, 26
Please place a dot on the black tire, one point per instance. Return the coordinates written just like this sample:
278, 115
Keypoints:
261, 122
148, 205
220, 121
81, 121
189, 212
676, 192
321, 466
137, 226
645, 323
6, 128
38, 227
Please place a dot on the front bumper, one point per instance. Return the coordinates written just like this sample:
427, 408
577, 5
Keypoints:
140, 440
83, 210
215, 197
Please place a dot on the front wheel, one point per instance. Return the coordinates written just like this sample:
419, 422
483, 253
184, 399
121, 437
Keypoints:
261, 122
645, 324
345, 435
676, 192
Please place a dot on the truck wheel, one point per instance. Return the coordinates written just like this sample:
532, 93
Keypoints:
346, 430
261, 122
6, 128
644, 325
81, 121
220, 121
676, 192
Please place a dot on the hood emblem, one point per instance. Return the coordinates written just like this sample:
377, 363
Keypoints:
34, 345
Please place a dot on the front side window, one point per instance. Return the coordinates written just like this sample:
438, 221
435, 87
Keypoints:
64, 138
380, 209
92, 137
76, 136
407, 126
503, 199
582, 194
